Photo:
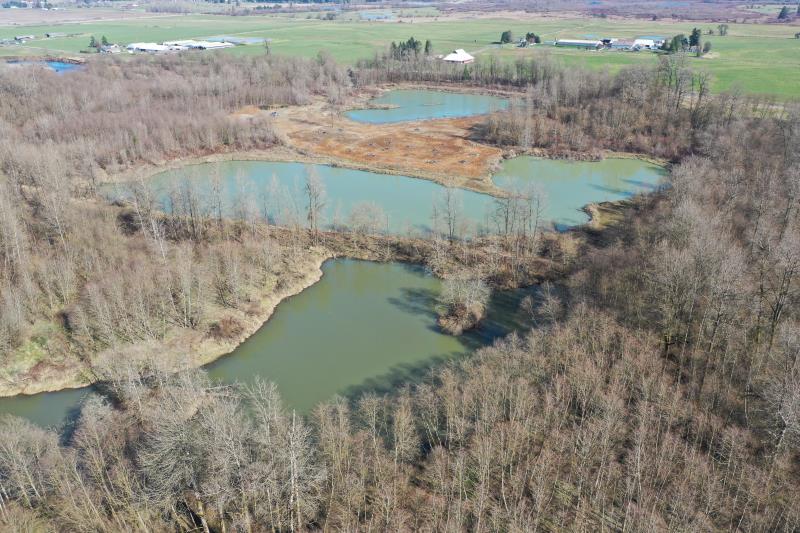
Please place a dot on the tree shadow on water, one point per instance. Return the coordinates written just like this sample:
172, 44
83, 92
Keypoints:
399, 375
504, 315
611, 190
643, 184
419, 302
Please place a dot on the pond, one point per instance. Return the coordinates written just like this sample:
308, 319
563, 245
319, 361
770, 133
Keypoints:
376, 15
60, 67
391, 203
275, 190
415, 104
567, 186
373, 325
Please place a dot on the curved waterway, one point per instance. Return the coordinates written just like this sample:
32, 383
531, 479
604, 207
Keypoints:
565, 187
276, 191
364, 327
391, 203
404, 105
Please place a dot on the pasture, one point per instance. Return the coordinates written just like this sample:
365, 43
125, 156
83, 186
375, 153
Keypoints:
757, 58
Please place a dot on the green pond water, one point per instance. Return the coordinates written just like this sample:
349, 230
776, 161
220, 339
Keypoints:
412, 104
364, 327
275, 190
566, 186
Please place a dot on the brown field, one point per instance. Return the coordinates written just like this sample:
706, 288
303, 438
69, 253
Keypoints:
440, 150
24, 17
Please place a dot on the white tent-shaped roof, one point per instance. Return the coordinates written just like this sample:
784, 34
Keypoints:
458, 56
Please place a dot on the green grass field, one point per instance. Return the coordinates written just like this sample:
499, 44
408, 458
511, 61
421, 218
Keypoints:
758, 58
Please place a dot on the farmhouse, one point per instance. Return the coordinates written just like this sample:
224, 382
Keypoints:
110, 49
580, 43
459, 56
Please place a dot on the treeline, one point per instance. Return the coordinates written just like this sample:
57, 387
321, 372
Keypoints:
662, 112
111, 114
387, 68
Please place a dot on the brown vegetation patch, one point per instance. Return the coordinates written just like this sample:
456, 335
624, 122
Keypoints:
435, 149
226, 328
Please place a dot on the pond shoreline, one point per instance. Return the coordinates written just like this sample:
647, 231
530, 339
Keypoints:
197, 349
204, 349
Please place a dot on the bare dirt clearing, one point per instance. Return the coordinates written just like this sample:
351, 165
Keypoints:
440, 150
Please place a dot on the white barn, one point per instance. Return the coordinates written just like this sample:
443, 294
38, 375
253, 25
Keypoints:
191, 44
458, 56
580, 43
150, 48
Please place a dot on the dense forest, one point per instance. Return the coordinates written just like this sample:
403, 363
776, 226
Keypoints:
657, 389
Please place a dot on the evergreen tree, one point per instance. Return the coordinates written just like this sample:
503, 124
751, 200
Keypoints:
533, 38
694, 38
506, 37
784, 14
428, 47
104, 41
406, 49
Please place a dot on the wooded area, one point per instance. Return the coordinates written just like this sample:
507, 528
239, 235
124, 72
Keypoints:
658, 388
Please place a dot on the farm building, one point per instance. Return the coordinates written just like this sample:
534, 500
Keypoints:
110, 49
458, 56
649, 41
150, 48
580, 43
191, 44
238, 40
623, 44
208, 45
